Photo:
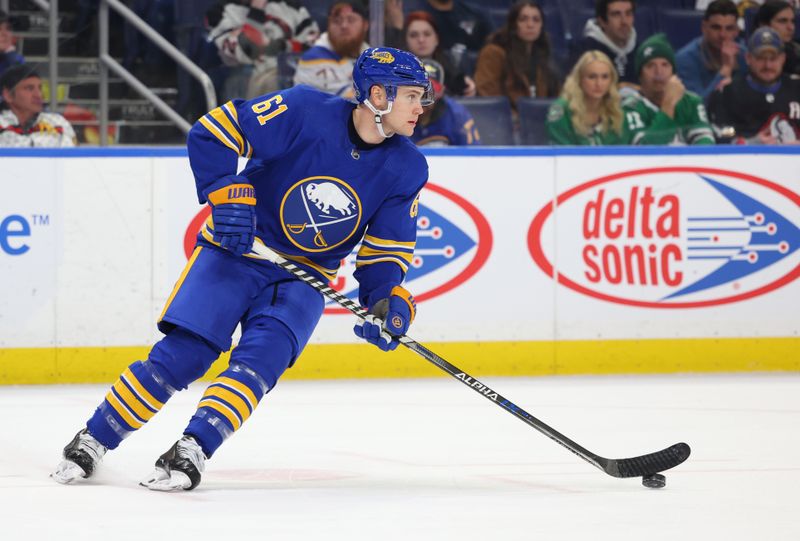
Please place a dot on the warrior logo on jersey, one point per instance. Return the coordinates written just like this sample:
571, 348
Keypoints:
671, 237
320, 213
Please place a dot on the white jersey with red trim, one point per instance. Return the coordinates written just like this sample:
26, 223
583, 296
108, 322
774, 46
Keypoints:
45, 130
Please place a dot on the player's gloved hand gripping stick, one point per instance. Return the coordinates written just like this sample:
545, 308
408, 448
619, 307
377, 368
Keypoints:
646, 466
233, 211
388, 319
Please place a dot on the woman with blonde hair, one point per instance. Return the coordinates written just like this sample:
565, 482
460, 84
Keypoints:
588, 111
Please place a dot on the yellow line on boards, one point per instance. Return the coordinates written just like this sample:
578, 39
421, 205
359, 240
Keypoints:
338, 361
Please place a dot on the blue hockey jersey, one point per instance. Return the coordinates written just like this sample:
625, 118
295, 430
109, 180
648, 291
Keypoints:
319, 188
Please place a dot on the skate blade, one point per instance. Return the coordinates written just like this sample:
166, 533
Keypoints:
162, 481
67, 472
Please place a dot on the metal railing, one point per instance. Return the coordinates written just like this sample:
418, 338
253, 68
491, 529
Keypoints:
109, 63
52, 8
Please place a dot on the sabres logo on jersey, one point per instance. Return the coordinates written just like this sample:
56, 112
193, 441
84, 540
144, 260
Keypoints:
384, 57
320, 213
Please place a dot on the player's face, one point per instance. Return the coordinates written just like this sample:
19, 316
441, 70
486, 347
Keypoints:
529, 24
596, 80
421, 39
618, 23
655, 75
26, 98
718, 29
406, 110
783, 24
5, 37
766, 66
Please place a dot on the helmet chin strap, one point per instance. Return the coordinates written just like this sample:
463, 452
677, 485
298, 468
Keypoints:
378, 116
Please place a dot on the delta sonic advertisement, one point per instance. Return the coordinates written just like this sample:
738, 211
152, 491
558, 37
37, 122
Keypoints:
679, 250
30, 228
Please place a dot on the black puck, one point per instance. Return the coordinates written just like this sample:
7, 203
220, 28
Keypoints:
654, 480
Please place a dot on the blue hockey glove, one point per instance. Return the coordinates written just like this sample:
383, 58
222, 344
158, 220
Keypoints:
233, 210
388, 319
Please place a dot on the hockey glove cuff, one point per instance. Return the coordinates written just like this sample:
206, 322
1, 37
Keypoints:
233, 210
388, 319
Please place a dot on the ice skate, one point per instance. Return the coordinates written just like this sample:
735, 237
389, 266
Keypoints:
81, 457
179, 468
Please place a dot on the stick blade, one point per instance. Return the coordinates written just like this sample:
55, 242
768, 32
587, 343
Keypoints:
646, 464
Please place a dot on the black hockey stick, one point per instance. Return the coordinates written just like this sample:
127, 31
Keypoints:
639, 466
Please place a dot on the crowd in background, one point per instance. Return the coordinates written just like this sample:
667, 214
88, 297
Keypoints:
605, 72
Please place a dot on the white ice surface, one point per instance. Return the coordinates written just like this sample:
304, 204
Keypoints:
425, 459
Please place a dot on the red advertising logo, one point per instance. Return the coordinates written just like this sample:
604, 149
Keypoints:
671, 237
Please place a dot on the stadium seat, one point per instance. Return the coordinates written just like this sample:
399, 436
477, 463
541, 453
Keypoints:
644, 22
482, 5
680, 25
492, 116
497, 17
532, 116
555, 29
667, 4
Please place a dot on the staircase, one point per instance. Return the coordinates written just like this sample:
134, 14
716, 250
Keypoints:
132, 119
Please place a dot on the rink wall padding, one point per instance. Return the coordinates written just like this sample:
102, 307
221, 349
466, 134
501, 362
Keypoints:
529, 261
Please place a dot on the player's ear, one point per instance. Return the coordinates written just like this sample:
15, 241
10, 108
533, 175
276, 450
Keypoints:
377, 95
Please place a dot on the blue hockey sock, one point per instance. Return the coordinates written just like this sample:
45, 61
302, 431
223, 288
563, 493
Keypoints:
138, 394
227, 403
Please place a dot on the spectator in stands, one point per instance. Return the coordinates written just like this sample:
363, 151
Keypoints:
8, 54
461, 27
22, 122
780, 16
663, 112
517, 62
762, 106
709, 62
741, 5
251, 35
446, 122
422, 39
328, 65
588, 111
612, 32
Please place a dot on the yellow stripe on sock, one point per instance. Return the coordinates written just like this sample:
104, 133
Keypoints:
214, 405
123, 412
132, 401
231, 398
144, 395
241, 387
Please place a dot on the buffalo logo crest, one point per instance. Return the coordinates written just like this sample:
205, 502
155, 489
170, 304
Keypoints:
320, 213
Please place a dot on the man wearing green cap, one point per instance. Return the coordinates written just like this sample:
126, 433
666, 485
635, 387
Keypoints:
663, 112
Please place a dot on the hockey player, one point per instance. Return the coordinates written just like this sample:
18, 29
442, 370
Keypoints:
324, 174
762, 106
663, 112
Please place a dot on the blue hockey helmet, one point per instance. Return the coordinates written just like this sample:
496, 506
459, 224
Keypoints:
389, 68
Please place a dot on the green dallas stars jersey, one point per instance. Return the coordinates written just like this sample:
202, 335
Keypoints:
561, 131
648, 125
